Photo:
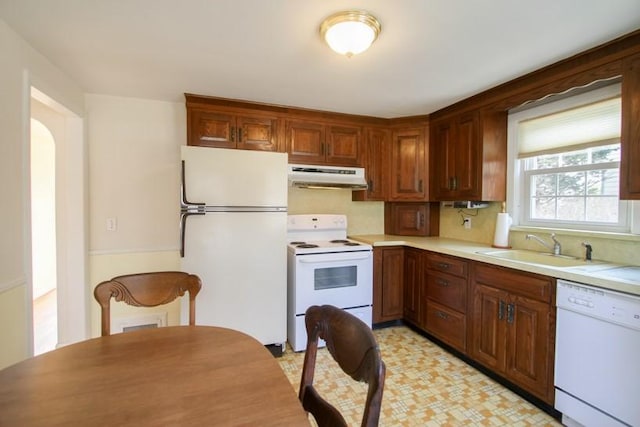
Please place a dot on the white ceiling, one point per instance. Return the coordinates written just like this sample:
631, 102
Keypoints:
430, 54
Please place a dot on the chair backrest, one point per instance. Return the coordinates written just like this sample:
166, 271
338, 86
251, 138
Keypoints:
147, 290
353, 346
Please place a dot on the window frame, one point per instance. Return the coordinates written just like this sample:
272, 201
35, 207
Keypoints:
518, 187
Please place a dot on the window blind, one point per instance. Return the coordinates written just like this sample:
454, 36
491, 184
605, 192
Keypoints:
585, 126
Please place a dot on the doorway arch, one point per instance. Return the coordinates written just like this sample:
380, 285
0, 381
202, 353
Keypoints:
43, 238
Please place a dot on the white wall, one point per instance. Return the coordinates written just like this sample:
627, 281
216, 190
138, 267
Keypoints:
20, 67
134, 173
134, 169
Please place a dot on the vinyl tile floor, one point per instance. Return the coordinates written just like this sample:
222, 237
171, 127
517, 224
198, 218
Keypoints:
424, 386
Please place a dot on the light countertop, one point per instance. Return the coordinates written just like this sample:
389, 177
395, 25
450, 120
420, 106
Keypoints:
592, 274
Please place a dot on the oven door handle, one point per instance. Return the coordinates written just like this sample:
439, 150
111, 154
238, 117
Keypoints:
341, 257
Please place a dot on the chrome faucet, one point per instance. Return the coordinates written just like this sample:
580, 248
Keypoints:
556, 248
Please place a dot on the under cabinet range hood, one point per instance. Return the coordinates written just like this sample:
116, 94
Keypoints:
314, 176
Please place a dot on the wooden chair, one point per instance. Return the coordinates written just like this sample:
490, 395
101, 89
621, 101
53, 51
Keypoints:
147, 290
353, 346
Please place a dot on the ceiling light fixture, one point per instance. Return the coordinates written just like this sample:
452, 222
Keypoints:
350, 32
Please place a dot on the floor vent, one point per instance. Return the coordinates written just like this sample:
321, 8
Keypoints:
132, 323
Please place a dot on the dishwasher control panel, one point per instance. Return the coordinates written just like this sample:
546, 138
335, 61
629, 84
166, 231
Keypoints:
608, 305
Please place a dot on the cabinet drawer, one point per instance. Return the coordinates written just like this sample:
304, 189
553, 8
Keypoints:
447, 264
446, 324
448, 290
530, 285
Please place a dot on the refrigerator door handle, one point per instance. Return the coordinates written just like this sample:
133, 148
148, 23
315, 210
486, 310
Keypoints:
183, 227
187, 208
185, 205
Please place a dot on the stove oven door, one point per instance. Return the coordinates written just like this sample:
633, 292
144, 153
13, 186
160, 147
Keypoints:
343, 279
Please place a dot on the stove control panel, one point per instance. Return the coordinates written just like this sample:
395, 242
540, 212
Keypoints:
316, 222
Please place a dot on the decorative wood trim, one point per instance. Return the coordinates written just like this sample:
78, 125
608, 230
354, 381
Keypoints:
240, 106
604, 61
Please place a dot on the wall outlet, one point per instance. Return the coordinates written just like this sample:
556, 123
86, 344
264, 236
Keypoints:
112, 224
467, 223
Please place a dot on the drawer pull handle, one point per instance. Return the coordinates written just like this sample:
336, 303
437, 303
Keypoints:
501, 310
442, 315
443, 265
443, 283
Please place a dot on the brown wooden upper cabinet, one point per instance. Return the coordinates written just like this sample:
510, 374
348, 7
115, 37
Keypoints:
469, 156
408, 165
226, 130
412, 218
375, 158
630, 137
318, 143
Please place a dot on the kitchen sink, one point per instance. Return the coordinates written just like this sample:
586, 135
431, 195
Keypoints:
628, 273
541, 258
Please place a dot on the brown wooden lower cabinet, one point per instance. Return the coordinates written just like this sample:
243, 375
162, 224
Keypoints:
501, 318
448, 325
513, 333
446, 299
413, 282
388, 279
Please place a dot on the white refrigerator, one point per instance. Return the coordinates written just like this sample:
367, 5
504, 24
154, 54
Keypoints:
233, 230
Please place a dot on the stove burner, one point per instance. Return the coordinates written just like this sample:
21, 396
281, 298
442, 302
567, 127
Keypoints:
339, 241
306, 246
297, 243
352, 244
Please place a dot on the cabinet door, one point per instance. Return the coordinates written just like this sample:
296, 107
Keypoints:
467, 181
529, 358
211, 129
257, 133
375, 159
442, 159
456, 158
388, 280
407, 219
408, 166
305, 142
488, 333
412, 285
630, 136
343, 146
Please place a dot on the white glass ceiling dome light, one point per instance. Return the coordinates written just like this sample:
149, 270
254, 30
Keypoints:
350, 32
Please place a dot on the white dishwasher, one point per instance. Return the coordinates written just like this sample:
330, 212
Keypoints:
597, 365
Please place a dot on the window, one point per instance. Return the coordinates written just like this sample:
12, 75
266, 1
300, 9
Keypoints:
566, 159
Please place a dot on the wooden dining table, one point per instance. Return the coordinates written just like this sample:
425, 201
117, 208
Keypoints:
172, 376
